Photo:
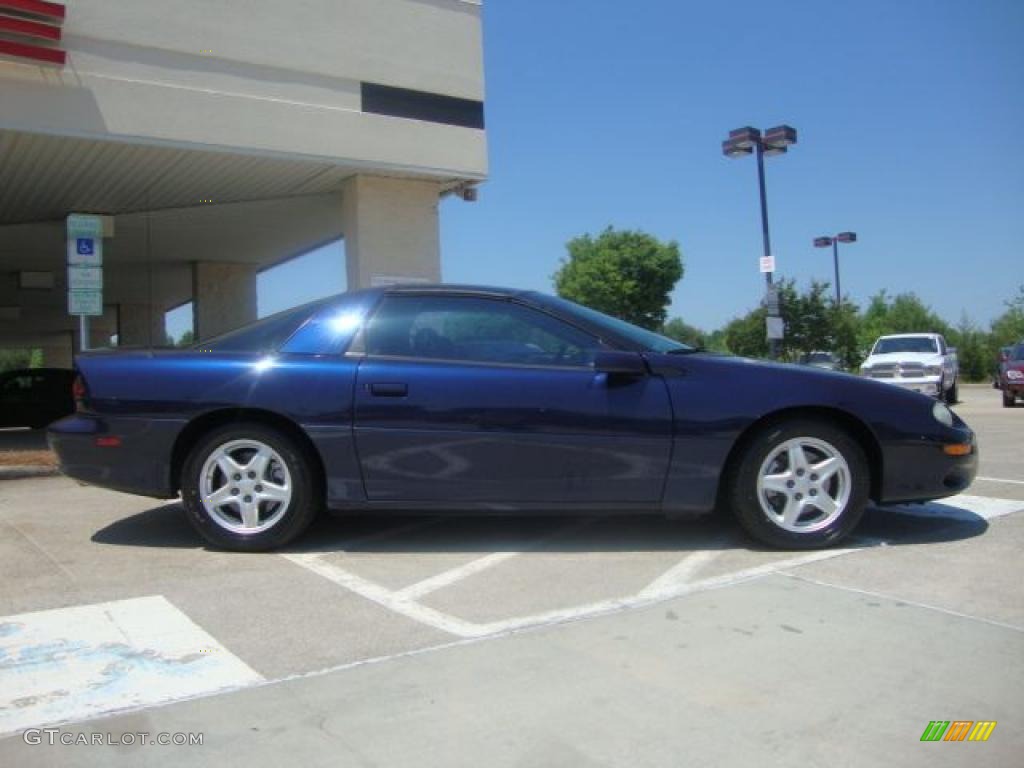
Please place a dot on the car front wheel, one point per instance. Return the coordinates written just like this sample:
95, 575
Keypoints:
800, 484
249, 488
953, 395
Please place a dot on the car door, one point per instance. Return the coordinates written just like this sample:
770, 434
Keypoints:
484, 399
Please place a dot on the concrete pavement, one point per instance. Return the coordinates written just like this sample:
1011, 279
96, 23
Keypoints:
539, 641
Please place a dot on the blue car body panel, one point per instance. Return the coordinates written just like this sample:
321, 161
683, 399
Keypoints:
401, 432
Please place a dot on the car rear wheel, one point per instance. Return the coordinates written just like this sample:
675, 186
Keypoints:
800, 484
1009, 399
249, 488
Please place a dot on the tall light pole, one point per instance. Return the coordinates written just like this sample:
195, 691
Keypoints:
834, 241
774, 141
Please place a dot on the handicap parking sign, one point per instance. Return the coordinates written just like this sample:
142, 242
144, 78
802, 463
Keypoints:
85, 246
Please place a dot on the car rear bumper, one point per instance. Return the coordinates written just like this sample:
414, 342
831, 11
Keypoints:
924, 471
139, 462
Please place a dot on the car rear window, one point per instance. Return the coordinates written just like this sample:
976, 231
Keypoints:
265, 335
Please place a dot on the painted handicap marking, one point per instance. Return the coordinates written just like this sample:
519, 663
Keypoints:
89, 660
680, 579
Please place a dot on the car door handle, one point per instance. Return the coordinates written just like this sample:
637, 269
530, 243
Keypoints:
389, 389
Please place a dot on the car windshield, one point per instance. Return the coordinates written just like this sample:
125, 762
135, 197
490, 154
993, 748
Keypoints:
648, 340
1017, 353
819, 357
905, 344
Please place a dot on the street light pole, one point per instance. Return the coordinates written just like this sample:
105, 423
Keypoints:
764, 209
835, 263
774, 141
825, 242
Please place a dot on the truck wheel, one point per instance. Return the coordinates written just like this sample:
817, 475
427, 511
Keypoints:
953, 395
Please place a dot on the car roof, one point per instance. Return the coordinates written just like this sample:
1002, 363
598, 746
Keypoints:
909, 335
36, 371
452, 288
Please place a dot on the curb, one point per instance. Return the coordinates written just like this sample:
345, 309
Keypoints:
21, 472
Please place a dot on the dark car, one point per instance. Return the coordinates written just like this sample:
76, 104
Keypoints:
825, 360
34, 397
1011, 375
452, 398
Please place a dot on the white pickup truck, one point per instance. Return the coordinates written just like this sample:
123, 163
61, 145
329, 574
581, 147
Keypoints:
918, 361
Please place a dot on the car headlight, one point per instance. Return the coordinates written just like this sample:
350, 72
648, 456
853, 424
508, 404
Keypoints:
942, 414
933, 370
1012, 374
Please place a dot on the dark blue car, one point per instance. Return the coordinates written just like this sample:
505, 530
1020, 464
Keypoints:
455, 398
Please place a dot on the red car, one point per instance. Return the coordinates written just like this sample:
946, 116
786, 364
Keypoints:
1011, 375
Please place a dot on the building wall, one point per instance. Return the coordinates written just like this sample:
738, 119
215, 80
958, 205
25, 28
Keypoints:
264, 76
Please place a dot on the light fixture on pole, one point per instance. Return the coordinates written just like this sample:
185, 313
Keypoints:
775, 141
834, 241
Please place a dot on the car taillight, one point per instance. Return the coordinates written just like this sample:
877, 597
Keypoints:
78, 392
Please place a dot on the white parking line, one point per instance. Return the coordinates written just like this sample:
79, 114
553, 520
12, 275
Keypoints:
394, 601
449, 577
383, 596
682, 573
676, 582
457, 574
1000, 480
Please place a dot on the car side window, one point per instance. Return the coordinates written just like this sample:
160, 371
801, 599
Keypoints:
18, 388
472, 329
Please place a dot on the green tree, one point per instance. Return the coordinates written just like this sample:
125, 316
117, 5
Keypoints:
187, 339
13, 359
624, 273
682, 331
746, 335
973, 350
808, 319
1008, 328
904, 313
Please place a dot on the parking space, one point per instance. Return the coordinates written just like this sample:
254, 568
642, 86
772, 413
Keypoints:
365, 588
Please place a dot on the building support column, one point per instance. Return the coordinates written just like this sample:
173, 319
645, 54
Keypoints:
57, 353
223, 296
391, 230
140, 325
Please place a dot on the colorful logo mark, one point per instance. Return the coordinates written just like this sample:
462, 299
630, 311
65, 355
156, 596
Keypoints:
958, 730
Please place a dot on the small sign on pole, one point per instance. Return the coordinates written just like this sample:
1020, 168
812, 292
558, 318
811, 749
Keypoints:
767, 264
776, 327
88, 303
85, 270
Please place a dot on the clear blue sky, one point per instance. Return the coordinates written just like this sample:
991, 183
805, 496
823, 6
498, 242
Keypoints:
603, 112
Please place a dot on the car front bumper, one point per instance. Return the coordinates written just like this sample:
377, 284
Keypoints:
926, 385
923, 471
138, 462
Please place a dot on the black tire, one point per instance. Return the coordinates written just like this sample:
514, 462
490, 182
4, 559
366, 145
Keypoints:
741, 491
1009, 399
305, 500
953, 395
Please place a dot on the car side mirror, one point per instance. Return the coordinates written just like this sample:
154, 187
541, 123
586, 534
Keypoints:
620, 363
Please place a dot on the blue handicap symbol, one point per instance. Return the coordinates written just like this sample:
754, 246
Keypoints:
85, 246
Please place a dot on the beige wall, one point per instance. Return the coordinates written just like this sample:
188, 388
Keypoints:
391, 230
262, 76
224, 296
